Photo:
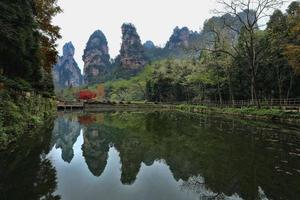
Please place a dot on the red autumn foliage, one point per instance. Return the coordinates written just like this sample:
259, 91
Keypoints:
87, 95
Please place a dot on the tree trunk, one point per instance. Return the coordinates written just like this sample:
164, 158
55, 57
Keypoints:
231, 92
188, 94
291, 83
219, 90
254, 67
279, 82
252, 90
142, 90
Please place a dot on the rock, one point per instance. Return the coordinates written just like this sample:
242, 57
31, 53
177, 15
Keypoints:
217, 23
181, 43
96, 59
66, 72
179, 38
132, 52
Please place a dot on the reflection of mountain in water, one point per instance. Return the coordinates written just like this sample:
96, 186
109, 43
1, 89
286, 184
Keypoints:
65, 134
131, 157
95, 149
233, 158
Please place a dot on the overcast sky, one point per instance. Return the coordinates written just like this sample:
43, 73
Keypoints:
154, 20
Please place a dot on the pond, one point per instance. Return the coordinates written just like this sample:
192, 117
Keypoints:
154, 156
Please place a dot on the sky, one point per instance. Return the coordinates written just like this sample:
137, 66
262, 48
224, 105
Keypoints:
154, 20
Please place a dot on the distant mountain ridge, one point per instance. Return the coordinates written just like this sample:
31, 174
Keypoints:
133, 56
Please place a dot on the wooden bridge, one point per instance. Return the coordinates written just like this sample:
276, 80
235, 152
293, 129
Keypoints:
64, 105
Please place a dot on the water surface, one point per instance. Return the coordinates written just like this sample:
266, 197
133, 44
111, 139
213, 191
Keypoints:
154, 156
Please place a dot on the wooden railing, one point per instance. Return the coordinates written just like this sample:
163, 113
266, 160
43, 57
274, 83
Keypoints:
64, 105
70, 103
262, 102
285, 104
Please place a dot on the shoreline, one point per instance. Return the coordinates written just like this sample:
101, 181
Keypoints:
252, 113
21, 114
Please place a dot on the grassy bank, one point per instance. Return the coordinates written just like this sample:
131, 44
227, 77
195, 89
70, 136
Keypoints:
245, 112
21, 113
275, 114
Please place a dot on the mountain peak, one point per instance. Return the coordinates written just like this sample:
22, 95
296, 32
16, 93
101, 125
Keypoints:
132, 52
96, 58
68, 49
66, 72
179, 38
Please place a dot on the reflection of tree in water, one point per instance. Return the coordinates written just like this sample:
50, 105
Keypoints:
25, 173
197, 185
232, 157
65, 134
87, 120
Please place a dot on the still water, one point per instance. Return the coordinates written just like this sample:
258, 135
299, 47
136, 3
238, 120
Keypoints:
154, 156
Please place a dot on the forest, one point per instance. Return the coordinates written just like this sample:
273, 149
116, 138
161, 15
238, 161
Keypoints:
27, 45
237, 62
193, 117
27, 54
236, 56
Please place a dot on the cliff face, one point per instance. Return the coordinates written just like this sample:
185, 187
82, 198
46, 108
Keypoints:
179, 38
66, 72
96, 59
218, 24
183, 39
132, 52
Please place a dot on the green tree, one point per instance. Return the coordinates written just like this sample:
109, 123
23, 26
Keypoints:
253, 11
28, 41
277, 37
45, 10
19, 41
292, 48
